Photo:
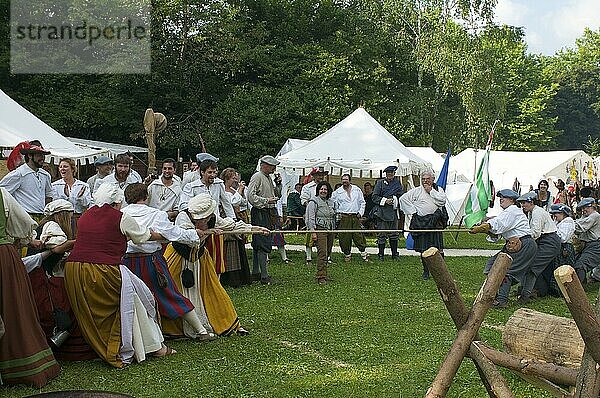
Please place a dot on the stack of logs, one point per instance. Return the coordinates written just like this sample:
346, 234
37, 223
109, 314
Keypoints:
562, 339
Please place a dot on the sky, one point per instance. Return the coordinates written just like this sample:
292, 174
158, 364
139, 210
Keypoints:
550, 25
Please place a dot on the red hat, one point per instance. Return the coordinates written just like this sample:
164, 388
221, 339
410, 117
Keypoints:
34, 149
15, 155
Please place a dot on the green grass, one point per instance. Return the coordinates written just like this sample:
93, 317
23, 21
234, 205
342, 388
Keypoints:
452, 240
378, 330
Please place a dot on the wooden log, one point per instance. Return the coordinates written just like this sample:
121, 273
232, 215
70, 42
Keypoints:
544, 337
581, 309
588, 379
465, 335
543, 384
494, 382
562, 375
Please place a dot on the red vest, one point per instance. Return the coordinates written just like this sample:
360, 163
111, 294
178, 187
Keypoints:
99, 237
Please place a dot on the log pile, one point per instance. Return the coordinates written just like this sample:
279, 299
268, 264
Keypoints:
544, 350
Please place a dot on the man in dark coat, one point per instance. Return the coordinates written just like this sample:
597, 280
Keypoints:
386, 195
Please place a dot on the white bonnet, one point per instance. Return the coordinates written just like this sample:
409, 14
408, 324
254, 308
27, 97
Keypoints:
201, 206
57, 206
108, 193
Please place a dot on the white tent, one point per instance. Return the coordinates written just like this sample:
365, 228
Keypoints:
528, 167
17, 124
359, 145
114, 149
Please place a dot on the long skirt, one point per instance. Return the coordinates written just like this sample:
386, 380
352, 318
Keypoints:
211, 302
95, 294
25, 357
237, 271
148, 267
50, 294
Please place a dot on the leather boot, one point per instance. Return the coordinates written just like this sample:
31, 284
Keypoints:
381, 251
394, 247
425, 270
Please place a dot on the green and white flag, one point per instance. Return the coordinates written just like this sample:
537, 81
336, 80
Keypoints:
479, 197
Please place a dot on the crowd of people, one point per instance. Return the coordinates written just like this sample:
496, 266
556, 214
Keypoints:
108, 267
541, 233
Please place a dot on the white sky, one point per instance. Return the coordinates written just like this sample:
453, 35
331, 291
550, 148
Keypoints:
550, 25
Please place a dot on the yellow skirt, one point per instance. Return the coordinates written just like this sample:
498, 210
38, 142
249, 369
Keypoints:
207, 293
94, 291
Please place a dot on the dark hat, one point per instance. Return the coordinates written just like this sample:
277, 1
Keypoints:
202, 156
585, 202
390, 169
507, 193
268, 159
527, 197
560, 208
34, 149
319, 170
100, 160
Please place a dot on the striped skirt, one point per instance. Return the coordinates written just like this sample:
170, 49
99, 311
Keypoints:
171, 303
25, 357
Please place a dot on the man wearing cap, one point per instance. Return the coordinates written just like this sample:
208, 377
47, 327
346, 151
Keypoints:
426, 204
386, 196
543, 231
307, 193
104, 166
193, 175
122, 177
29, 183
587, 231
349, 203
164, 192
565, 228
263, 194
513, 226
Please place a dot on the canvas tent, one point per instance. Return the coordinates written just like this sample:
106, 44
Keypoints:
17, 124
113, 149
358, 145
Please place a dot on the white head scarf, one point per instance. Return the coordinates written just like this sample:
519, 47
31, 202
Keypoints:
108, 193
201, 206
57, 206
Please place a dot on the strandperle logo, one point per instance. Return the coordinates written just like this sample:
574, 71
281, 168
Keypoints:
69, 36
83, 31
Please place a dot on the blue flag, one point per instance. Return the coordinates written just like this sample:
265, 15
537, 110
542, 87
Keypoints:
443, 177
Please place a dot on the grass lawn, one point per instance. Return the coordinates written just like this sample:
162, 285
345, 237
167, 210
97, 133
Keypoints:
378, 331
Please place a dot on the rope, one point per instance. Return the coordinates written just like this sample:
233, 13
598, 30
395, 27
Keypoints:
337, 231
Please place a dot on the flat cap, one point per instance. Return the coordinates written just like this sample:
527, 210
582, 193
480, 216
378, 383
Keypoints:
585, 202
268, 159
507, 193
202, 156
560, 208
100, 160
390, 169
527, 197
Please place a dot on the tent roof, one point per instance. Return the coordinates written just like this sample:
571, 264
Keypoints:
291, 144
357, 143
528, 167
17, 124
114, 149
437, 162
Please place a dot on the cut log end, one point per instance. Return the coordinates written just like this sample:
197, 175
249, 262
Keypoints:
432, 251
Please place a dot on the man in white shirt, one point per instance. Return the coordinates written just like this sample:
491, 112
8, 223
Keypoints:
122, 177
104, 166
565, 228
587, 230
29, 183
350, 207
164, 192
543, 231
512, 225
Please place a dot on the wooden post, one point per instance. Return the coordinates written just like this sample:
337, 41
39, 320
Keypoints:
557, 374
493, 380
581, 309
469, 330
588, 379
